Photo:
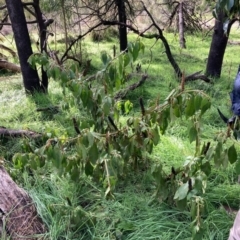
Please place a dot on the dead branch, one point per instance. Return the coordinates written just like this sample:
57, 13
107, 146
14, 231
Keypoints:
51, 109
4, 20
9, 24
122, 94
75, 124
13, 53
197, 76
64, 56
3, 7
29, 10
5, 132
18, 214
233, 42
158, 35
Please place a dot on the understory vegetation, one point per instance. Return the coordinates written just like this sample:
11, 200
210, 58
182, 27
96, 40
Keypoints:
103, 194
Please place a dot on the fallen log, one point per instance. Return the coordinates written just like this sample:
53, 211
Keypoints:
4, 132
197, 76
9, 66
18, 215
122, 94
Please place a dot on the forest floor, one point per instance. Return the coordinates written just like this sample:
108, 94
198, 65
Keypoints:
133, 214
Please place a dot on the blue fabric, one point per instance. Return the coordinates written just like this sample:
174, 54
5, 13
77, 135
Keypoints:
235, 95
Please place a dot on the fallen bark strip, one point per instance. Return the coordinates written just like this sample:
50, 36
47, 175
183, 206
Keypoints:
5, 132
18, 218
121, 94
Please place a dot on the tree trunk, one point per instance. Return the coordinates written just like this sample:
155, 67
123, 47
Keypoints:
42, 23
218, 46
181, 26
30, 76
64, 24
122, 29
18, 215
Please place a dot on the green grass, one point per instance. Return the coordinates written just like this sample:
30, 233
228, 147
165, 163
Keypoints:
133, 214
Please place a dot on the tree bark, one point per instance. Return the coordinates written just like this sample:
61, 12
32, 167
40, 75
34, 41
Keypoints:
122, 28
218, 46
5, 132
122, 94
18, 215
42, 24
181, 26
30, 76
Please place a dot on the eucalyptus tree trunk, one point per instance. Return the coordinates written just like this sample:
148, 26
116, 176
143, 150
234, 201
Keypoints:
64, 24
122, 29
218, 46
181, 25
43, 24
30, 76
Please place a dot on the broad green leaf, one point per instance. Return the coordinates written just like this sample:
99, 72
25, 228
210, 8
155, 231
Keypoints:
206, 168
142, 47
44, 60
176, 111
116, 114
64, 76
222, 3
56, 72
34, 163
230, 4
130, 47
155, 136
127, 107
32, 61
193, 210
205, 105
118, 82
192, 134
112, 73
135, 52
85, 96
56, 157
88, 168
75, 174
104, 58
93, 153
90, 138
182, 192
82, 151
127, 59
107, 104
163, 120
120, 64
190, 110
197, 102
200, 182
149, 147
232, 154
214, 13
146, 141
72, 75
182, 204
